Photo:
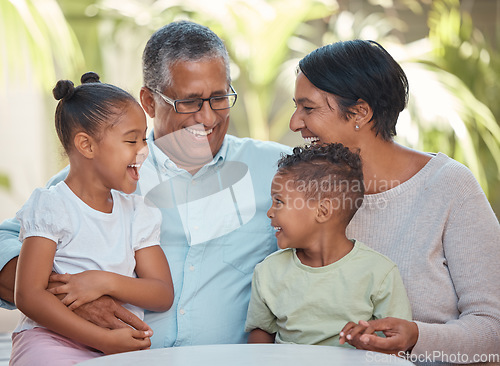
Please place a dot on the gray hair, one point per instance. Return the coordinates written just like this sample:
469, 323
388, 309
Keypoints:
179, 41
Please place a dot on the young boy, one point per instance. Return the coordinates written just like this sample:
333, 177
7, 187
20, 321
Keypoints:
320, 281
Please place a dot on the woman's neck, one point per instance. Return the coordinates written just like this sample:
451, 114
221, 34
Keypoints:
387, 164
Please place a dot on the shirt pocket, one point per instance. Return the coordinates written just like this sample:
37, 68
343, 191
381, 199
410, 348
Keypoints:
247, 246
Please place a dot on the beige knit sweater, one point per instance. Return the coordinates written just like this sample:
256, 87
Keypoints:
440, 230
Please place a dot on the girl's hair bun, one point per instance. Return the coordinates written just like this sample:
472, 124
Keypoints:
63, 89
89, 77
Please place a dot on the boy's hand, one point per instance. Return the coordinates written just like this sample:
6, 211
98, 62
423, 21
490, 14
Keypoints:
400, 335
353, 331
79, 288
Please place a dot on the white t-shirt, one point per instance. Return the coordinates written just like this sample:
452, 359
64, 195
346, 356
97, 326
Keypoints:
88, 239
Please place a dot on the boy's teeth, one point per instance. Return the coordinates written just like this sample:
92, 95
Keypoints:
311, 140
199, 132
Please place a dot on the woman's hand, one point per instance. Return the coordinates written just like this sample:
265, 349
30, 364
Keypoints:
401, 335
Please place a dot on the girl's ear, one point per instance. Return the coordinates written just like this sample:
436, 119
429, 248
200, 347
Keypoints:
363, 114
148, 101
325, 210
84, 144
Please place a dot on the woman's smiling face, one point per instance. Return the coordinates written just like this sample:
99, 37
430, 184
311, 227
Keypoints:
317, 115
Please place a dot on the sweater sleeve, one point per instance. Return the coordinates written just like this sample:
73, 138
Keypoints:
471, 242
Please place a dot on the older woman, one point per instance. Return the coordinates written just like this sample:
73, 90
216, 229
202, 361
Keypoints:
425, 211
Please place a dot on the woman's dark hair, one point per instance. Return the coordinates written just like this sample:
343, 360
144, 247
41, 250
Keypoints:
87, 107
329, 171
358, 69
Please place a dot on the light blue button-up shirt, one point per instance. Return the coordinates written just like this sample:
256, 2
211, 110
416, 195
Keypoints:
214, 231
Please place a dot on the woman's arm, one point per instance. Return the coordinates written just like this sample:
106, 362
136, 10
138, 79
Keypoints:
33, 270
152, 290
471, 244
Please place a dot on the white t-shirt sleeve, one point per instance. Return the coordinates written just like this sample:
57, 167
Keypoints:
44, 215
146, 225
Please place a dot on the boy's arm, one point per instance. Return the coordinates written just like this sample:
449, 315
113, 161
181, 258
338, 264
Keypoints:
261, 336
391, 299
153, 290
391, 304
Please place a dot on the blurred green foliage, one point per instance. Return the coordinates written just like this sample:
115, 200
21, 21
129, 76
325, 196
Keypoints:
454, 71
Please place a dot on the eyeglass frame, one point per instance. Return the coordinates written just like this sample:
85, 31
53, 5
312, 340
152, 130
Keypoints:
173, 102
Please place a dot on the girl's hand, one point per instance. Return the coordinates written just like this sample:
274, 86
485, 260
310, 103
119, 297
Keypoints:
125, 340
80, 288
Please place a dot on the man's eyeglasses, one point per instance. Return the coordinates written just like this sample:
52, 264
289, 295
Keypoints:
194, 105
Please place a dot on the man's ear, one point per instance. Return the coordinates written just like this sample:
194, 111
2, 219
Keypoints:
325, 210
85, 144
148, 101
363, 114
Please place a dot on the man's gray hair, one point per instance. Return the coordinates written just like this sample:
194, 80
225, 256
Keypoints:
179, 41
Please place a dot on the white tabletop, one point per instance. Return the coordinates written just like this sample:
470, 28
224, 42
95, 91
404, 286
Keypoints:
248, 355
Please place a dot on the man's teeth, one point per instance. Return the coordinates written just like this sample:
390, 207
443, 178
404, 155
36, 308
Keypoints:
134, 165
199, 132
311, 140
277, 228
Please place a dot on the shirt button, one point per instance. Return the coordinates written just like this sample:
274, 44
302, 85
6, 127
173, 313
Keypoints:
196, 227
182, 311
191, 268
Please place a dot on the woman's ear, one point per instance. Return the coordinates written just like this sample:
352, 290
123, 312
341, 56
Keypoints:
84, 144
148, 101
362, 114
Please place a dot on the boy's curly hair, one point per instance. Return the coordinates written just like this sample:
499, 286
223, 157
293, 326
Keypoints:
326, 171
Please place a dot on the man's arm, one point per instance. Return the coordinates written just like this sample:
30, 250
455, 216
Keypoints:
7, 278
9, 250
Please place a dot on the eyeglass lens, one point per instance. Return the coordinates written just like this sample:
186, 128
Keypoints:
216, 103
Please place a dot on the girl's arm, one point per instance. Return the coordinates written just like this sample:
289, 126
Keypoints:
31, 297
152, 290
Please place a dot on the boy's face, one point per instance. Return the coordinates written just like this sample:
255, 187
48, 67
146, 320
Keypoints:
292, 215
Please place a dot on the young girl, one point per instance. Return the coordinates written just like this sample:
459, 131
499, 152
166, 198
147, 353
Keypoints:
94, 237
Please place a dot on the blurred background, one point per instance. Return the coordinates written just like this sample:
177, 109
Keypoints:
450, 50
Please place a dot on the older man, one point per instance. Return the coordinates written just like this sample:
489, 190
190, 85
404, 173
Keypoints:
213, 190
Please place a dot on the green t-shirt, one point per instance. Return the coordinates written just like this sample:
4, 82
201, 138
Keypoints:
311, 305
